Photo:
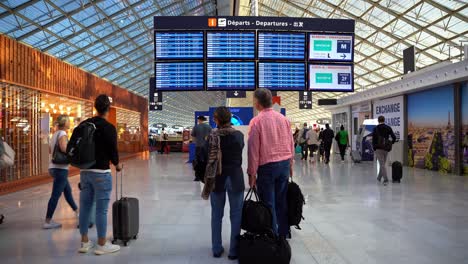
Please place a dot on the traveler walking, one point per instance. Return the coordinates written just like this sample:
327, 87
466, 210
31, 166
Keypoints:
58, 169
327, 136
200, 133
342, 139
163, 138
295, 135
225, 145
382, 145
302, 140
271, 158
96, 182
312, 142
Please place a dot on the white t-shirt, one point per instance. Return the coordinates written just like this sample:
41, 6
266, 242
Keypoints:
53, 141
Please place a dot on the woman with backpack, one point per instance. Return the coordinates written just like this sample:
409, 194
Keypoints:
58, 169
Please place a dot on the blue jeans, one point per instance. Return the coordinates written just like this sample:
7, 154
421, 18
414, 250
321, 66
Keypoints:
61, 185
98, 187
236, 201
272, 185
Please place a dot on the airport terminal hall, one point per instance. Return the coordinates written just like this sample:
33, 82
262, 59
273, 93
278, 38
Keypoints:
233, 131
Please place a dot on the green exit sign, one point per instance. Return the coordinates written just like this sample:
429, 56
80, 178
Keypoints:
323, 77
322, 45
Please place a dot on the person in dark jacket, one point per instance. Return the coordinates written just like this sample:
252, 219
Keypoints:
200, 134
327, 137
382, 145
229, 178
96, 182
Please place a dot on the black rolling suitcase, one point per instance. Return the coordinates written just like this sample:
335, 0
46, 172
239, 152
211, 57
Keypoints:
397, 171
125, 216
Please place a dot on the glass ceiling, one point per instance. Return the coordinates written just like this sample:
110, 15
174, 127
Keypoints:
113, 39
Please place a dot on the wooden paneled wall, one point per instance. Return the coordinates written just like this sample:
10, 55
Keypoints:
26, 66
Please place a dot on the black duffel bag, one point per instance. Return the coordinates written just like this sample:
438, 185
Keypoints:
263, 248
256, 215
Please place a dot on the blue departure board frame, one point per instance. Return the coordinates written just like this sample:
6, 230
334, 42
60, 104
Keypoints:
274, 45
227, 45
179, 76
227, 75
179, 45
282, 76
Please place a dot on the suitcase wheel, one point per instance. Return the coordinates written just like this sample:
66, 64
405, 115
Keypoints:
135, 237
125, 243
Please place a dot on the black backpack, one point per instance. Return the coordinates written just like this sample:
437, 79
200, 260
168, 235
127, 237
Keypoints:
382, 141
296, 201
81, 149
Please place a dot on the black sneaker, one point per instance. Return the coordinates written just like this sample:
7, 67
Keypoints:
385, 183
233, 257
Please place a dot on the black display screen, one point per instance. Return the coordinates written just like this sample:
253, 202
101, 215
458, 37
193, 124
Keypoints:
179, 76
179, 45
230, 75
230, 45
282, 76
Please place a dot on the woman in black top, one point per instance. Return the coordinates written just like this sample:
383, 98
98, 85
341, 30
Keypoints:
224, 175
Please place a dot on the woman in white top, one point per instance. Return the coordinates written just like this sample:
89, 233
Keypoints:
312, 142
59, 172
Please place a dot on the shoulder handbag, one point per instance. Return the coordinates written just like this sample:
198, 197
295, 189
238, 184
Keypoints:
256, 215
59, 157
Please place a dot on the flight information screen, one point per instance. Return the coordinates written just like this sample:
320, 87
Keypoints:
281, 76
331, 47
179, 76
281, 45
331, 77
230, 75
179, 45
230, 45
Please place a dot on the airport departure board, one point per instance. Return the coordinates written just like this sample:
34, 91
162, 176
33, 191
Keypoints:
281, 45
179, 45
179, 76
230, 45
230, 75
331, 47
331, 77
282, 76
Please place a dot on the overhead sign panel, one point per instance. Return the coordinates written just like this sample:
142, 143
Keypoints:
230, 45
179, 76
331, 77
155, 97
305, 100
236, 94
331, 47
230, 75
282, 76
179, 45
281, 45
261, 23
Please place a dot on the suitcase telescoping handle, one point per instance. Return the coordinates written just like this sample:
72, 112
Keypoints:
116, 184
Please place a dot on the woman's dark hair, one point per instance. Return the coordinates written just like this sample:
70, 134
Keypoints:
223, 115
264, 97
341, 127
102, 104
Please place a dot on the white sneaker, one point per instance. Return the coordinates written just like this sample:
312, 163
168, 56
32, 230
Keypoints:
51, 225
85, 247
106, 249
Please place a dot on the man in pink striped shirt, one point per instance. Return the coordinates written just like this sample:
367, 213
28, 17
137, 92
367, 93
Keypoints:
271, 156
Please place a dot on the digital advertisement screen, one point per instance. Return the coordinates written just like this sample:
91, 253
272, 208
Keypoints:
331, 47
281, 45
179, 45
230, 45
331, 77
281, 76
179, 76
230, 75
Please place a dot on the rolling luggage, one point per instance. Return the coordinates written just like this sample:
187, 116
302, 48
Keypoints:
397, 171
125, 216
263, 248
356, 156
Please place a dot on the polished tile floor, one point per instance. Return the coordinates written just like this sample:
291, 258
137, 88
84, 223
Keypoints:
349, 218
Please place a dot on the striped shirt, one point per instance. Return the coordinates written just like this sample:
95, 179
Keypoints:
270, 140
